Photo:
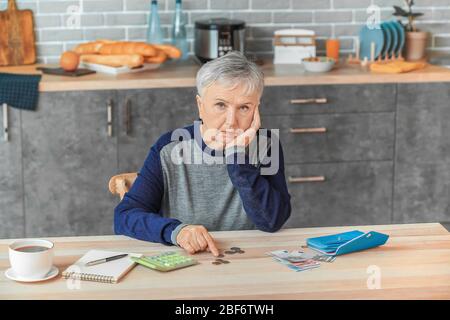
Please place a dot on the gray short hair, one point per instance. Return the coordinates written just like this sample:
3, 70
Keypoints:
230, 70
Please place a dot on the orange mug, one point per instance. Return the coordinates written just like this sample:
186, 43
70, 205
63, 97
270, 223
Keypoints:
332, 47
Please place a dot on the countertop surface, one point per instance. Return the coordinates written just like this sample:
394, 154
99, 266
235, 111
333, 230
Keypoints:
182, 74
413, 264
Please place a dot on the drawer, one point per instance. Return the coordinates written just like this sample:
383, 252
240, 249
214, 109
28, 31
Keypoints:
423, 122
338, 194
335, 137
328, 99
422, 192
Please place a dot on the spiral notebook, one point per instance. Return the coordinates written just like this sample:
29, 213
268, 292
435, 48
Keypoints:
108, 272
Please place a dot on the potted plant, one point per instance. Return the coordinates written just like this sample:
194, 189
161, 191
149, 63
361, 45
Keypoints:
416, 40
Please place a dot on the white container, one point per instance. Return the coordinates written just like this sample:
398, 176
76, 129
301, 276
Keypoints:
293, 45
320, 64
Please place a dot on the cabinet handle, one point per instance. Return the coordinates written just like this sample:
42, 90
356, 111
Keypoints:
308, 130
309, 101
306, 179
5, 121
109, 120
127, 117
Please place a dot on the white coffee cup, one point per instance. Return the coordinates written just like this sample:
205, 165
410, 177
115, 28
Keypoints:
27, 262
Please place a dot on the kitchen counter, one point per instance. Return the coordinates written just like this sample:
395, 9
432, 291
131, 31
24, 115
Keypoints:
413, 264
182, 74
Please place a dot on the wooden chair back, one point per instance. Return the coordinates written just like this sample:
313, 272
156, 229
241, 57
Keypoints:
121, 183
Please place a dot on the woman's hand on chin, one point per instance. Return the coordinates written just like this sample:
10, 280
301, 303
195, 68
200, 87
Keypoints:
248, 135
195, 238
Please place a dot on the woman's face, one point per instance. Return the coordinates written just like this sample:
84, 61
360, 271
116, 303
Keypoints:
226, 112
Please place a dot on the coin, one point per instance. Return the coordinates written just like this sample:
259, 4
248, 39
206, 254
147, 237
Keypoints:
230, 252
216, 262
221, 256
235, 248
240, 251
225, 261
304, 246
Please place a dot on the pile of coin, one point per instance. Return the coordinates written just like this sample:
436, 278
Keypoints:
220, 261
232, 250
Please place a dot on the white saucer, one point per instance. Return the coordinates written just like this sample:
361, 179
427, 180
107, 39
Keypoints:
51, 274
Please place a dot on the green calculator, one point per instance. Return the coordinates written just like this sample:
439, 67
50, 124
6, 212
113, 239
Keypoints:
166, 261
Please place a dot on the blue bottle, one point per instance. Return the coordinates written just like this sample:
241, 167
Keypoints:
179, 39
154, 34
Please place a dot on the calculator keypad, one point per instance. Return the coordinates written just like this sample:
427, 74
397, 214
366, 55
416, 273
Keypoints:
166, 261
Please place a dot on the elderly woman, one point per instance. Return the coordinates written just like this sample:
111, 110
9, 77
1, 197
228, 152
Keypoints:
176, 201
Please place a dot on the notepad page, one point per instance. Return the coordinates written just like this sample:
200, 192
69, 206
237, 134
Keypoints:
116, 268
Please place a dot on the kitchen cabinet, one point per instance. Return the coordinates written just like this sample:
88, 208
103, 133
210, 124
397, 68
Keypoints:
370, 154
338, 143
11, 186
291, 100
350, 193
69, 153
335, 137
144, 115
422, 164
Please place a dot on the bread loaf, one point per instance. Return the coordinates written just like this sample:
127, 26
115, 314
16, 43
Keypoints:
160, 57
128, 47
88, 48
106, 41
129, 60
171, 51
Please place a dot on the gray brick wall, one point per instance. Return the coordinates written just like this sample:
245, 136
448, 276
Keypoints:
127, 20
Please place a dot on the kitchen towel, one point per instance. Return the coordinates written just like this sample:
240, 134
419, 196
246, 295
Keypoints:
397, 66
19, 90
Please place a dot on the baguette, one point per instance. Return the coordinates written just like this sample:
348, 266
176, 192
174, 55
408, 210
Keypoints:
88, 48
106, 41
160, 57
129, 60
172, 51
128, 47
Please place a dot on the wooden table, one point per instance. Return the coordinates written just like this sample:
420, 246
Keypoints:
414, 264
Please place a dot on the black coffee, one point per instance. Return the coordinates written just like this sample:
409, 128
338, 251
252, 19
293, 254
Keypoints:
31, 249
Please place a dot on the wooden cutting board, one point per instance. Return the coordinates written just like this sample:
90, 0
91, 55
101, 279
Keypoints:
62, 72
16, 36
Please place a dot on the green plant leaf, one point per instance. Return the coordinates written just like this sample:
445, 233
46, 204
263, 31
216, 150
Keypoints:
400, 12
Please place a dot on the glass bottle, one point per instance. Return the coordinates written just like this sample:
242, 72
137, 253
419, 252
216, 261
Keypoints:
179, 39
154, 34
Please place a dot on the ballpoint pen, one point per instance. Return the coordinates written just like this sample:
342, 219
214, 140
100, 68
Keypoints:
94, 262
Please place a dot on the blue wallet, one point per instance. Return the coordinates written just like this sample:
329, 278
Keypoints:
342, 243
